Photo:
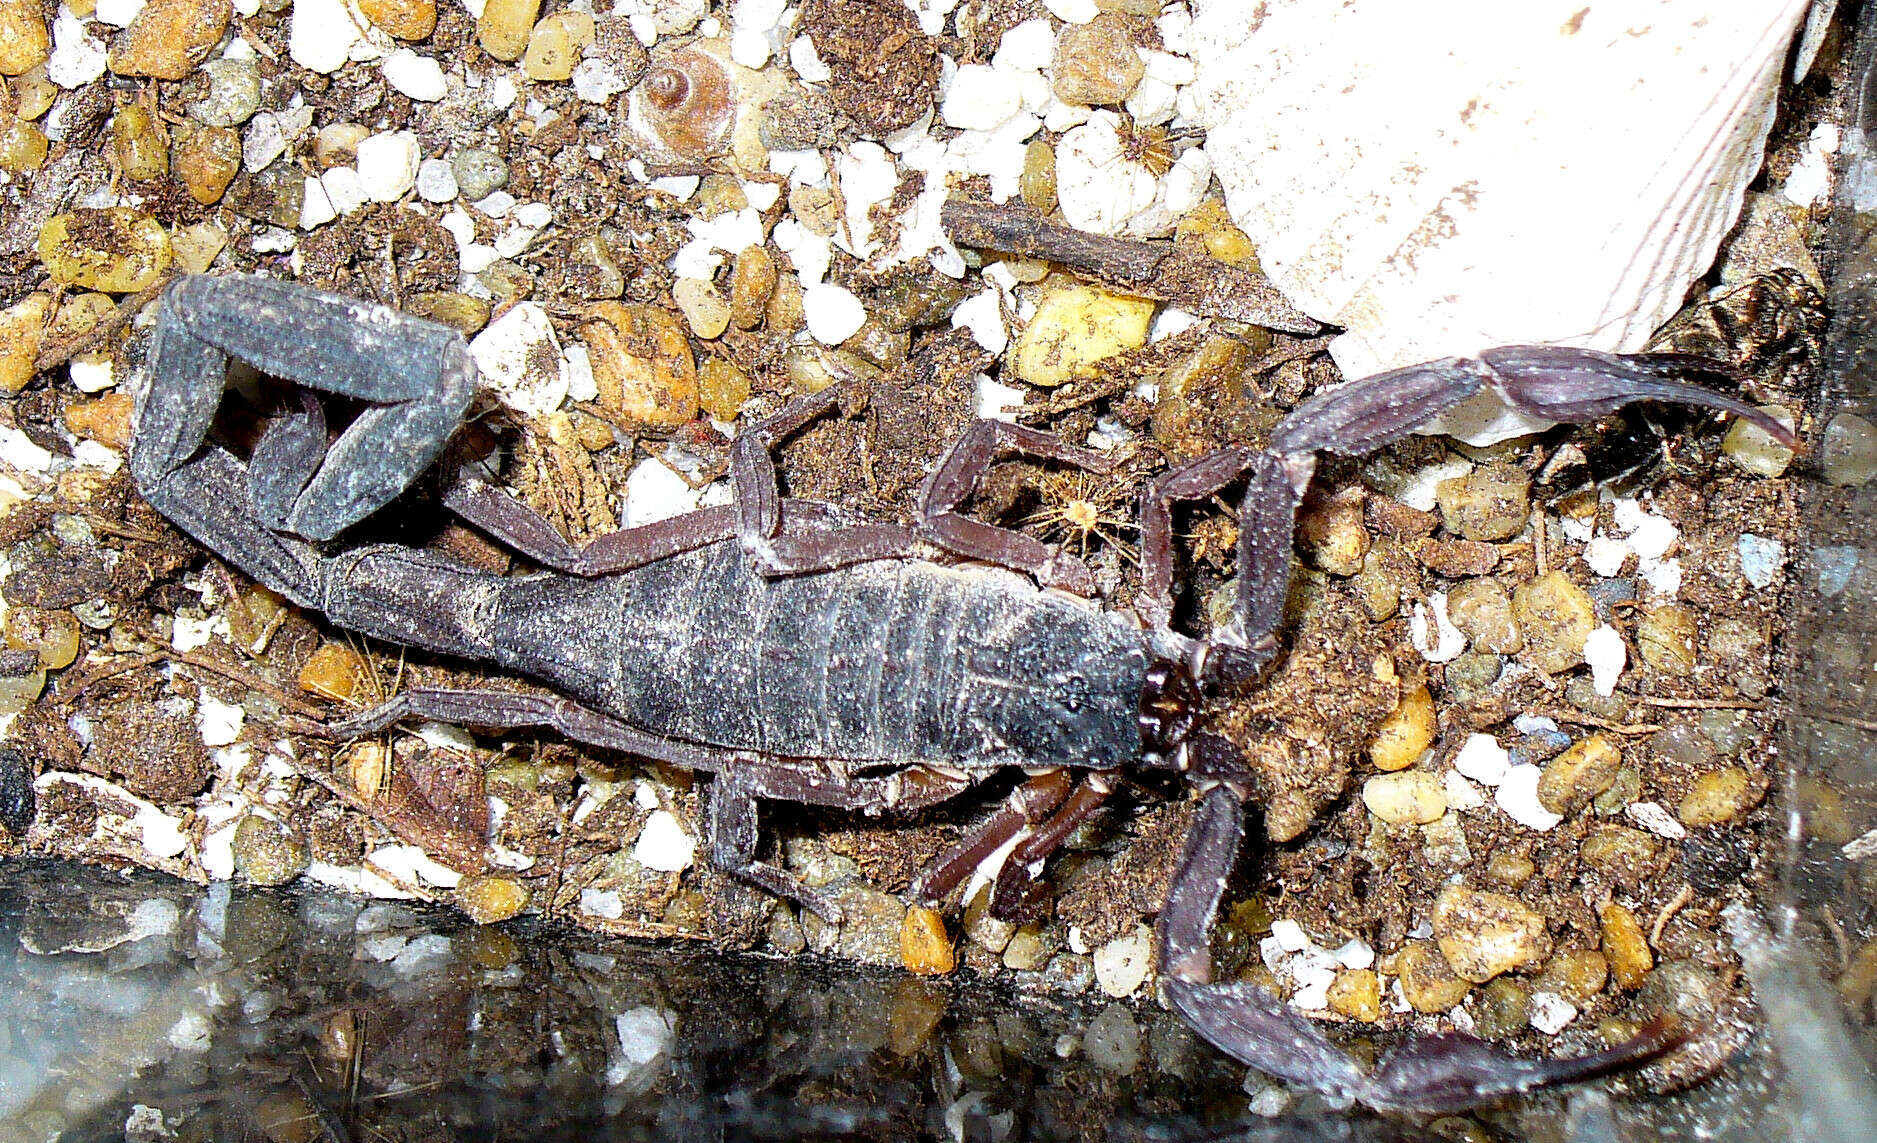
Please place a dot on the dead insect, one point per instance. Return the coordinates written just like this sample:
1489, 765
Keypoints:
799, 656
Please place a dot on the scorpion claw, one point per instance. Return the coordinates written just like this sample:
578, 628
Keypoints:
1454, 1072
1255, 1028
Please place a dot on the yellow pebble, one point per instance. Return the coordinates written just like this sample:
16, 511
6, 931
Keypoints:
642, 364
1625, 946
22, 145
504, 27
335, 672
1357, 994
24, 42
105, 420
139, 143
169, 37
1579, 774
722, 388
1718, 796
1074, 330
207, 161
114, 249
752, 281
1410, 796
924, 947
22, 329
1406, 732
1428, 982
487, 899
554, 48
405, 19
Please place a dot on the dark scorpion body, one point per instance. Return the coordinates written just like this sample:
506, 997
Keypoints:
800, 656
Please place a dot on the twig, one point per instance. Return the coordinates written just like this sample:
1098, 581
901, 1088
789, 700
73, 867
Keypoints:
234, 672
59, 352
1675, 905
1702, 704
1578, 719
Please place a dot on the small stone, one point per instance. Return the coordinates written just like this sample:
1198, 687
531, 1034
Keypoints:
663, 844
1096, 62
436, 181
833, 314
1121, 965
23, 146
139, 144
233, 95
554, 48
50, 634
1556, 617
1331, 533
1482, 611
405, 19
1357, 994
521, 360
1666, 638
871, 932
1756, 451
722, 388
1551, 1012
207, 161
336, 144
1490, 503
752, 280
169, 37
1074, 330
1029, 949
1037, 183
419, 77
1428, 982
387, 164
1579, 774
1410, 796
924, 947
504, 27
18, 799
1483, 934
1406, 732
642, 364
1847, 454
1625, 788
1578, 975
268, 852
1625, 947
705, 310
114, 249
1717, 796
1509, 869
1503, 1009
335, 672
22, 329
105, 420
1112, 1041
489, 898
24, 41
1624, 855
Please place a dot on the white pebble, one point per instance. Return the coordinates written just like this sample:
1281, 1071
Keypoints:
1605, 555
1461, 794
997, 401
1355, 954
316, 207
579, 369
343, 189
78, 57
832, 312
219, 722
1313, 987
981, 98
1449, 642
420, 77
263, 142
1029, 46
1121, 964
645, 1035
810, 252
1482, 759
983, 315
91, 374
1073, 11
1517, 795
1290, 936
187, 634
807, 61
322, 35
1657, 820
602, 903
520, 360
1551, 1012
1761, 557
654, 492
1605, 652
1100, 188
436, 180
663, 845
387, 164
1650, 535
118, 13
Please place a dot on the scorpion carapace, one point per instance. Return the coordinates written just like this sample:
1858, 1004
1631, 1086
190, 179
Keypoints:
799, 656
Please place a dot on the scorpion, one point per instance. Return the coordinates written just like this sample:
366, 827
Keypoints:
799, 655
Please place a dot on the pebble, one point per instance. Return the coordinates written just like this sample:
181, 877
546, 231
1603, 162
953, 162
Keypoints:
1410, 796
387, 165
19, 690
706, 310
1427, 981
1750, 447
521, 361
1329, 530
1847, 453
924, 947
1503, 1008
24, 42
105, 420
336, 144
752, 280
335, 672
18, 799
1406, 732
419, 77
1112, 1041
321, 35
1490, 503
663, 844
113, 249
1037, 184
344, 190
1357, 994
1556, 616
139, 144
871, 932
1551, 1012
1482, 759
436, 181
1482, 611
1121, 965
832, 312
22, 328
642, 364
1579, 774
981, 98
504, 27
554, 48
1657, 820
479, 172
1482, 934
1624, 946
23, 146
1510, 869
233, 94
1517, 795
268, 852
1714, 860
1577, 975
1029, 948
1761, 557
1666, 638
405, 19
1443, 841
1096, 62
78, 57
1626, 856
168, 37
489, 898
1717, 796
1074, 330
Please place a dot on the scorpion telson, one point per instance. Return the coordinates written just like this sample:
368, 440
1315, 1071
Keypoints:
800, 656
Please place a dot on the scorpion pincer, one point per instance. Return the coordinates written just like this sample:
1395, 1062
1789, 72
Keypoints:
797, 655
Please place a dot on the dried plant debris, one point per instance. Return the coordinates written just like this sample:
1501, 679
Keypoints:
1514, 759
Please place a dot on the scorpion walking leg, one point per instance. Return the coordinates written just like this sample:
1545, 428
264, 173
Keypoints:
1435, 1074
1027, 804
1014, 897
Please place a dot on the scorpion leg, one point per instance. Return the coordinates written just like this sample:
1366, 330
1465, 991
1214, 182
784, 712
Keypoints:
415, 375
958, 475
1039, 794
1013, 896
1435, 1074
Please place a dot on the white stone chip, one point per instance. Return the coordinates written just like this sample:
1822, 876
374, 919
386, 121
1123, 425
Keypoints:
1606, 653
1447, 641
983, 315
1355, 954
1517, 795
1650, 535
580, 383
1290, 936
1461, 794
654, 492
1551, 1012
264, 141
1029, 46
981, 97
91, 373
413, 866
753, 31
418, 76
343, 189
1606, 555
807, 61
189, 634
1482, 759
997, 401
832, 312
520, 359
1657, 820
1121, 964
436, 181
1761, 557
387, 164
602, 903
596, 80
931, 14
316, 208
1809, 184
219, 722
663, 845
1073, 11
1862, 846
78, 57
810, 252
118, 13
322, 34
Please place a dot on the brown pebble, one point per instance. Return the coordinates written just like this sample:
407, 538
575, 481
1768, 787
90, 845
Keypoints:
1666, 638
1717, 796
1095, 63
268, 852
1510, 869
924, 947
22, 328
1484, 934
1457, 559
1575, 974
1556, 617
1393, 518
50, 634
1625, 946
1037, 183
504, 27
24, 41
1331, 533
105, 420
1579, 774
1620, 853
1489, 503
335, 672
1482, 610
1428, 982
722, 388
170, 37
642, 364
752, 280
207, 161
405, 19
1357, 994
487, 899
555, 46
